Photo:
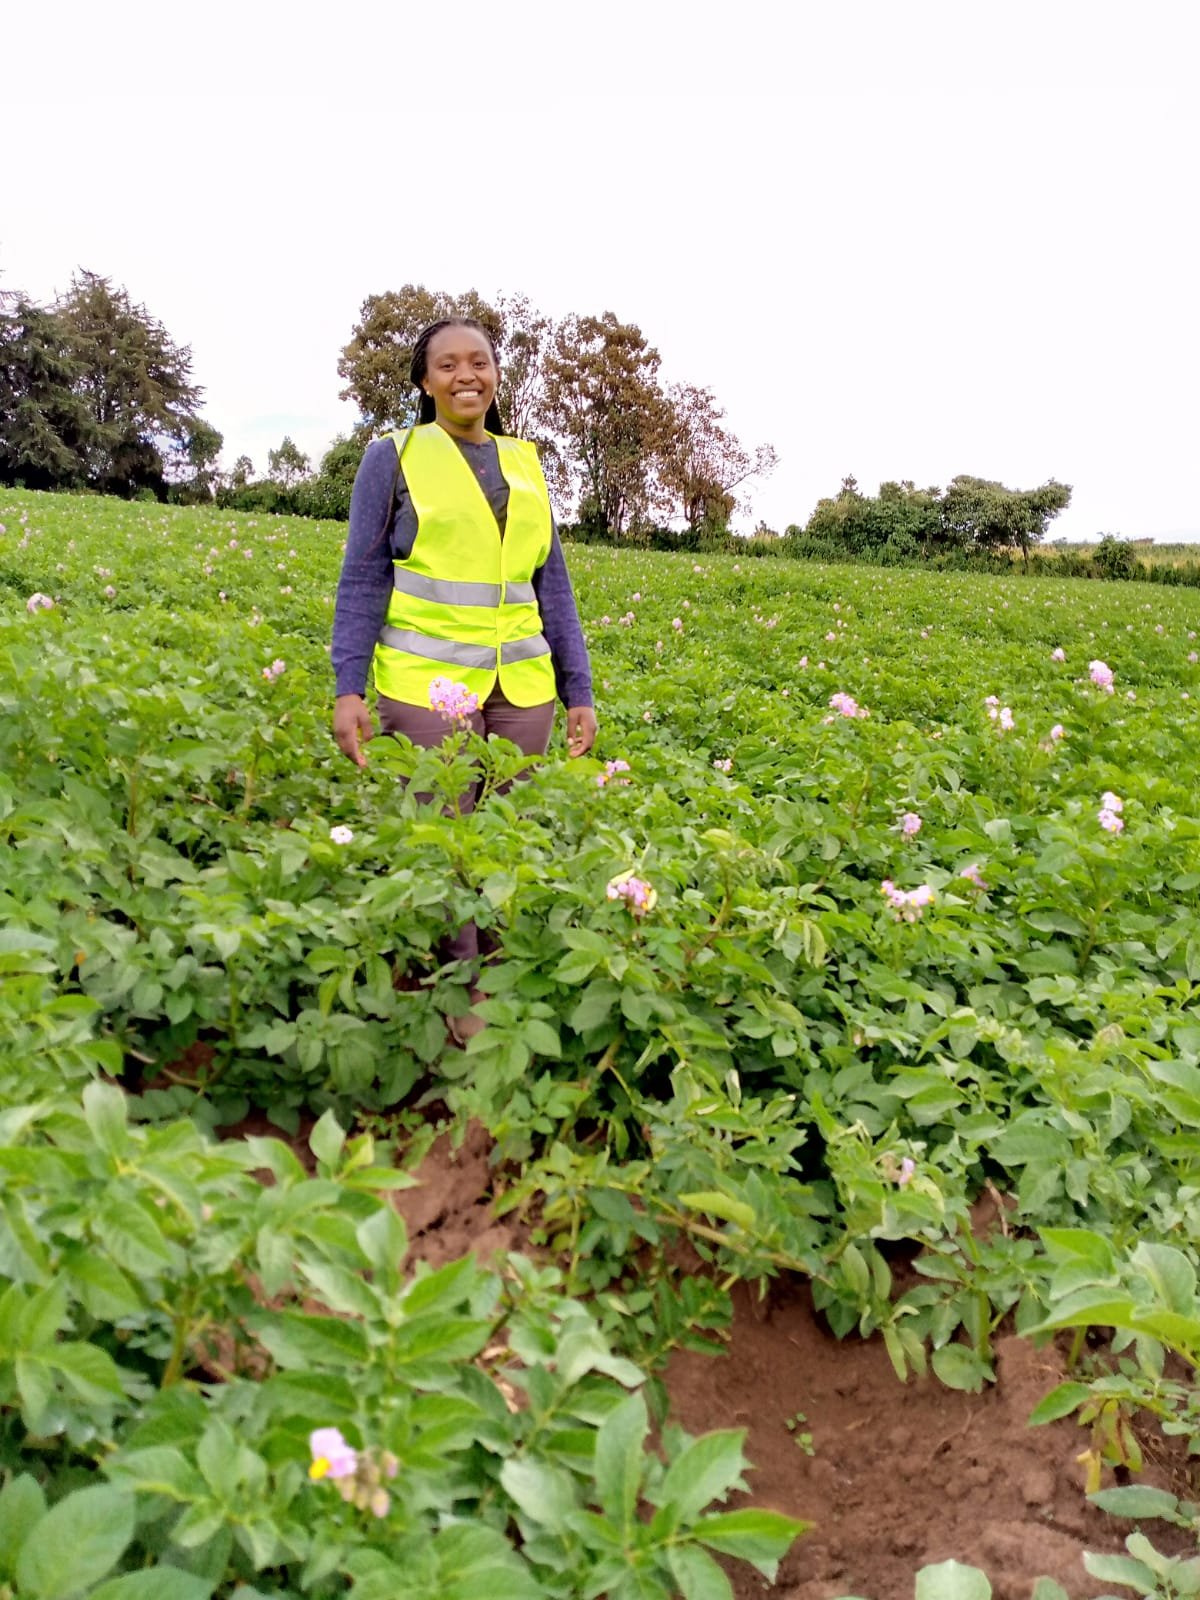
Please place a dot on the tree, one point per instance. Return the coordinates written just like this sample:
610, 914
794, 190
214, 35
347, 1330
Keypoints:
134, 380
375, 363
700, 462
192, 466
601, 395
287, 463
46, 427
243, 471
992, 517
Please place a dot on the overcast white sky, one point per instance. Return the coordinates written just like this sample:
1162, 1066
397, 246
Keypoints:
899, 238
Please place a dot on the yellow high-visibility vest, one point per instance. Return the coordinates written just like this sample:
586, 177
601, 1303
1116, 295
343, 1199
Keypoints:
463, 605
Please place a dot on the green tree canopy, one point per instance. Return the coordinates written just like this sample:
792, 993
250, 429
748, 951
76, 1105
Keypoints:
986, 514
288, 463
602, 395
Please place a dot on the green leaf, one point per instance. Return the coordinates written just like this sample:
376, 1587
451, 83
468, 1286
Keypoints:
104, 1108
383, 1239
76, 1543
761, 1537
950, 1580
1060, 1402
22, 1504
703, 1471
158, 1583
697, 1574
1047, 1589
544, 1494
90, 1372
720, 1205
958, 1366
1171, 1274
1120, 1569
620, 1440
326, 1139
1136, 1500
301, 1341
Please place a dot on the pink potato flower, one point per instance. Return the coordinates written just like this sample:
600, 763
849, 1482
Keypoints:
1101, 675
612, 773
973, 876
332, 1456
39, 602
910, 824
846, 705
452, 700
908, 904
637, 894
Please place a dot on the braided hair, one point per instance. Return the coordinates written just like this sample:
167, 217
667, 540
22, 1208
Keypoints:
427, 411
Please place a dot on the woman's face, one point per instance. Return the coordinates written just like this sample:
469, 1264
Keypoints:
460, 374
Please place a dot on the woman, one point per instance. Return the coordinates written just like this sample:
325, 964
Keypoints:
440, 580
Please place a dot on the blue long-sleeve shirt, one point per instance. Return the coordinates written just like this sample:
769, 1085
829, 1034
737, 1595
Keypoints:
383, 528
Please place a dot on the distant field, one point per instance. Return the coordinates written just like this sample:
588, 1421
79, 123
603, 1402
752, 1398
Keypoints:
1167, 555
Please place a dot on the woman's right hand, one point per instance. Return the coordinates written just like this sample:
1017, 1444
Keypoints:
352, 726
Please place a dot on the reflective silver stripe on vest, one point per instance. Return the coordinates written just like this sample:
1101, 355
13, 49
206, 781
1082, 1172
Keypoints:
455, 655
463, 655
446, 591
524, 649
449, 592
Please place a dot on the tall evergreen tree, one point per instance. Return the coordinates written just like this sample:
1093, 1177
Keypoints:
134, 380
46, 427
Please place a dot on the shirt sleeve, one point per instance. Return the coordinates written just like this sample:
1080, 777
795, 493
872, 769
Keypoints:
365, 585
561, 626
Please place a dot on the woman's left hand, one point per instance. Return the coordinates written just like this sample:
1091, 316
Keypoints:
581, 730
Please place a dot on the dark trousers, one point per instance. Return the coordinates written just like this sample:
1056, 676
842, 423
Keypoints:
528, 727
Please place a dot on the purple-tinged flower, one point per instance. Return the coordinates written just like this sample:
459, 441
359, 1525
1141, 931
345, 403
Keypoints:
452, 700
846, 705
612, 773
380, 1503
341, 834
1112, 802
908, 904
332, 1456
1006, 719
677, 624
1058, 732
1110, 821
973, 876
39, 602
637, 894
1058, 654
724, 766
1101, 675
910, 824
907, 1167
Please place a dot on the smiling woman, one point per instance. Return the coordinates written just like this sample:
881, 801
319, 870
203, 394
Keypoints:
453, 566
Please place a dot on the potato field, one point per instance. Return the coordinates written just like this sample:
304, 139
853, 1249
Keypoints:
843, 1021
